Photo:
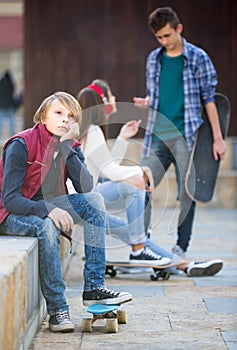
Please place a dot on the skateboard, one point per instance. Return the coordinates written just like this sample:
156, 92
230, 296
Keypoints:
203, 169
159, 272
109, 313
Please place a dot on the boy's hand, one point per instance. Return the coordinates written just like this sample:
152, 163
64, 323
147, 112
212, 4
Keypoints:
219, 149
130, 129
62, 220
136, 181
148, 178
72, 133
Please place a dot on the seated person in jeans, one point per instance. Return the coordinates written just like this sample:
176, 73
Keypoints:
35, 202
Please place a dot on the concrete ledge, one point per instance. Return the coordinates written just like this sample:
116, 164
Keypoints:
22, 304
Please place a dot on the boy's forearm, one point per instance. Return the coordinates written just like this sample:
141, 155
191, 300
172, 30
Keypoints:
213, 118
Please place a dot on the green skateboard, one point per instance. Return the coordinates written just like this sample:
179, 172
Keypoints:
109, 313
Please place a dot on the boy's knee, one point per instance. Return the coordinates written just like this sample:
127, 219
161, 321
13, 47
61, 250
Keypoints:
49, 231
97, 201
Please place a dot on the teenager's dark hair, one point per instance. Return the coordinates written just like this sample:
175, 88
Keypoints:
92, 108
103, 85
162, 16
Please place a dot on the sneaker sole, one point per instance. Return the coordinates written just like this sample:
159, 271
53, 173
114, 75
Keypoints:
66, 328
111, 301
205, 271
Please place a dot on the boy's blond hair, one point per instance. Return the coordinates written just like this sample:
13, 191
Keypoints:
66, 99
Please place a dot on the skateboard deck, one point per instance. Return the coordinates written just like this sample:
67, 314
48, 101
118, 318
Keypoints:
109, 313
203, 168
159, 271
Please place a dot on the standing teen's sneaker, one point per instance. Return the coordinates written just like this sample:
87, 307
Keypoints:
148, 257
206, 268
178, 251
105, 296
60, 322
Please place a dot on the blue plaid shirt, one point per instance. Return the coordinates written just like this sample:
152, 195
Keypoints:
200, 80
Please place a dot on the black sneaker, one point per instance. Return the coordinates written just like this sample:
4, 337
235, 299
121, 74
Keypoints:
206, 268
60, 322
148, 257
105, 296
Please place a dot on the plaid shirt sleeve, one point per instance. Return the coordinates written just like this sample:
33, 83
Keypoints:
152, 90
200, 82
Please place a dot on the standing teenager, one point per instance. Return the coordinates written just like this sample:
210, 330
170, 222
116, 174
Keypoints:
180, 80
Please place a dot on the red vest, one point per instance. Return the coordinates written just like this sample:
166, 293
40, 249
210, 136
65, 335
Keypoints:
41, 146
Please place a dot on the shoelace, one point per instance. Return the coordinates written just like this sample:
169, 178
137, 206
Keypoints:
61, 316
108, 291
152, 254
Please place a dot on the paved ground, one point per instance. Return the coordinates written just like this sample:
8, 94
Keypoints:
179, 313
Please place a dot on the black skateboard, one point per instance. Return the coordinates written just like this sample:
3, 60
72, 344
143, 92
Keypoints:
203, 169
159, 271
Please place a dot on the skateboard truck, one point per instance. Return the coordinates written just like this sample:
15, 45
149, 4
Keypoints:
109, 313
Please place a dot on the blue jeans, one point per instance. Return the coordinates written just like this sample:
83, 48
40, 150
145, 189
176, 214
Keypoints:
84, 208
162, 155
8, 114
120, 197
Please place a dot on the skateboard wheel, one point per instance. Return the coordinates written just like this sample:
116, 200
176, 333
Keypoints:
154, 277
122, 316
111, 325
110, 270
164, 275
86, 325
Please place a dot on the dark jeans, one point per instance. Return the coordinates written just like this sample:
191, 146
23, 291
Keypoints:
162, 155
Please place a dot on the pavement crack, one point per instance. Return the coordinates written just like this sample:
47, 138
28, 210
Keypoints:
170, 322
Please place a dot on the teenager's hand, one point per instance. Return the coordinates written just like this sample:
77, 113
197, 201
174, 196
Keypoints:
62, 220
141, 101
148, 178
72, 133
219, 149
130, 129
136, 181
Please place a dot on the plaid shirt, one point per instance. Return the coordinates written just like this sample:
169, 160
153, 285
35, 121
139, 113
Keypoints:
200, 80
